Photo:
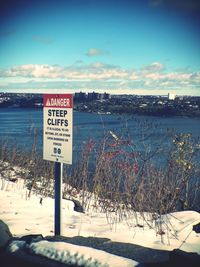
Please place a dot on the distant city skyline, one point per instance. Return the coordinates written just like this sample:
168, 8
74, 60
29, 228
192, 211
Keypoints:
147, 47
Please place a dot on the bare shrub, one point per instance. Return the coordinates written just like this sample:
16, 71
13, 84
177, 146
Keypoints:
125, 175
144, 178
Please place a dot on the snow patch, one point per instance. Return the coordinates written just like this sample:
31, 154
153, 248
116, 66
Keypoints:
72, 254
27, 216
79, 255
15, 245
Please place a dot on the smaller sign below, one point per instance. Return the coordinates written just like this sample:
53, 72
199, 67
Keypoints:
57, 127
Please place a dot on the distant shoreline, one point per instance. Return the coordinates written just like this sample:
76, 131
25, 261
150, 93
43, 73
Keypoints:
113, 113
157, 106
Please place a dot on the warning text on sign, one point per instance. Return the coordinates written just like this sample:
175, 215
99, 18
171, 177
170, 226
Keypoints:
57, 116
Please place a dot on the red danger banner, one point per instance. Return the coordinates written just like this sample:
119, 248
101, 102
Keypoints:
58, 100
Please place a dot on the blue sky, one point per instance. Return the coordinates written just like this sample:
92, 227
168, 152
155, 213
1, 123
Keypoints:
121, 46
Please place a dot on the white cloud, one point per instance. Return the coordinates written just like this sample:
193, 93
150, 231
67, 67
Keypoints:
98, 75
133, 75
96, 52
155, 3
178, 76
186, 5
96, 71
153, 76
154, 67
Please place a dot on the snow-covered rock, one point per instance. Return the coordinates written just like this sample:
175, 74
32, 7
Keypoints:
69, 254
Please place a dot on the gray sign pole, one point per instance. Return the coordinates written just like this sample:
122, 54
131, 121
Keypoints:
58, 170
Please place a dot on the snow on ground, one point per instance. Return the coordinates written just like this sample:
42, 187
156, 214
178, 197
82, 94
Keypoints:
27, 216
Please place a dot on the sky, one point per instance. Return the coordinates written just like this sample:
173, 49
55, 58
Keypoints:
118, 46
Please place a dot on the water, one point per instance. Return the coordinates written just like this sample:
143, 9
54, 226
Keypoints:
17, 126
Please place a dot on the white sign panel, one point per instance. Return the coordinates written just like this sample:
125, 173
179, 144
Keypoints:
57, 127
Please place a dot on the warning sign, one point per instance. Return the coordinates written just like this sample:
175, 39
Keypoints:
57, 127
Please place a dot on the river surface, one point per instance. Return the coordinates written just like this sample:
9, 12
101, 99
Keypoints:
17, 124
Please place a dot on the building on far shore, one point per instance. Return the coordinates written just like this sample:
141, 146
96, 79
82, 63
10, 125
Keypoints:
91, 96
80, 96
171, 96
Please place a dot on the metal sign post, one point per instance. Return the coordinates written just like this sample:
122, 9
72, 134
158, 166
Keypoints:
58, 171
57, 142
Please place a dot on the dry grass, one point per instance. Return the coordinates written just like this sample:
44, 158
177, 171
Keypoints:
120, 177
